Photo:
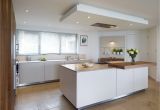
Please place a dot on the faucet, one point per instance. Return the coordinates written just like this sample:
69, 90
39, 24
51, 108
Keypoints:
67, 57
78, 57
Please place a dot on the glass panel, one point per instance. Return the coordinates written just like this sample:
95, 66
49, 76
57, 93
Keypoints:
68, 43
50, 43
28, 42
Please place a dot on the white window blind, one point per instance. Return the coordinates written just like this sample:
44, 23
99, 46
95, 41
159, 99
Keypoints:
28, 42
32, 43
50, 43
68, 43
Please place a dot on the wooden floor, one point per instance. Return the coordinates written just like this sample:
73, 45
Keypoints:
49, 97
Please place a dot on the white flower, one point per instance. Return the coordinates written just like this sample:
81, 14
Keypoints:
137, 51
131, 52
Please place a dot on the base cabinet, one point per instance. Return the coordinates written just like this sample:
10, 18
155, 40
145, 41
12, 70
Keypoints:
95, 86
51, 70
34, 72
31, 72
131, 80
125, 81
140, 78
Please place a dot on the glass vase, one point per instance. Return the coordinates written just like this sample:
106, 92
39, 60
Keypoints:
133, 60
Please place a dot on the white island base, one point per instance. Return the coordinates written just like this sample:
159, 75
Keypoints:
87, 86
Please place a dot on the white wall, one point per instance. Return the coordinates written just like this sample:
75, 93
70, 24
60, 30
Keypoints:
133, 39
152, 53
106, 47
152, 41
92, 50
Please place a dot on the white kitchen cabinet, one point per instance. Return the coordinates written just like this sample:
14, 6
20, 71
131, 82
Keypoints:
140, 78
51, 70
131, 80
31, 72
95, 86
83, 88
125, 81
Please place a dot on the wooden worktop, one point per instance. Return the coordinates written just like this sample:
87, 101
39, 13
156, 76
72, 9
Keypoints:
80, 68
121, 65
127, 65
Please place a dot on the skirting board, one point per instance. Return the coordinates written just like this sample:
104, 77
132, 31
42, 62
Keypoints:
105, 101
36, 83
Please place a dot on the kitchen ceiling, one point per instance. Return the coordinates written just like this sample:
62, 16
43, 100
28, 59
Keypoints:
47, 13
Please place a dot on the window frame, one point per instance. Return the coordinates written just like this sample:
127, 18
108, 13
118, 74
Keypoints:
39, 43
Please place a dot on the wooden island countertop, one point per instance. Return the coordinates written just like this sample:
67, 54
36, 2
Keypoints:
80, 68
120, 65
127, 65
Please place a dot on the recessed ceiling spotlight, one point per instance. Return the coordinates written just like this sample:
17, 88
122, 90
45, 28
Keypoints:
130, 24
77, 22
88, 17
26, 11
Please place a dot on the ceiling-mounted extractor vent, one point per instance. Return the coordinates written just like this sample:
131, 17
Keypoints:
103, 25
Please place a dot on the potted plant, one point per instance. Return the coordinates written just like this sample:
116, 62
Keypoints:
133, 53
114, 51
120, 51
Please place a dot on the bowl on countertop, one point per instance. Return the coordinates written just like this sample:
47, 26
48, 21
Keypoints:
87, 65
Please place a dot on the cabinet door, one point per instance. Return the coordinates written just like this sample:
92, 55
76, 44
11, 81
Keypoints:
95, 86
31, 72
51, 70
140, 78
125, 81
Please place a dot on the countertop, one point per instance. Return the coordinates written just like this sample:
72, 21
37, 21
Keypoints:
122, 65
63, 60
80, 68
127, 65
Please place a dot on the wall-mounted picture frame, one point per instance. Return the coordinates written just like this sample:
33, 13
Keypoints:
83, 40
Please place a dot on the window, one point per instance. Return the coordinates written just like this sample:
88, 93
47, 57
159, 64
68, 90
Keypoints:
50, 43
31, 43
28, 42
68, 44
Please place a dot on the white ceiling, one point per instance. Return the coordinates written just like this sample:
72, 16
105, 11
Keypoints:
47, 13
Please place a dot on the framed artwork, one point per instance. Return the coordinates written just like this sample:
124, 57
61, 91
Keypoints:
83, 40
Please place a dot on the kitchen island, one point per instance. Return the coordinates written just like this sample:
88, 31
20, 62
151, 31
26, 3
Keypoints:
101, 83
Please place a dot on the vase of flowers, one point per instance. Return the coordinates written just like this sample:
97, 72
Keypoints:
133, 53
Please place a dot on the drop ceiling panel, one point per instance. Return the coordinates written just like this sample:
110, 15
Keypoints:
82, 18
